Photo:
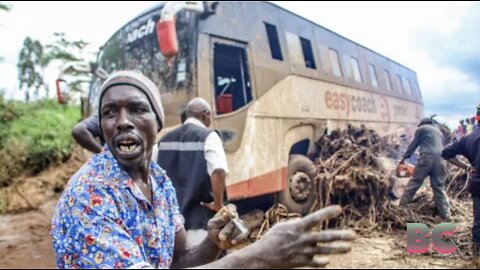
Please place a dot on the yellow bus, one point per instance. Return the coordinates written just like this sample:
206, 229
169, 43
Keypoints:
276, 83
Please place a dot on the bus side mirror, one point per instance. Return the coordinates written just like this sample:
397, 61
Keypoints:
167, 38
62, 91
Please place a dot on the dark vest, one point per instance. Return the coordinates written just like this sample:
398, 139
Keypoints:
181, 155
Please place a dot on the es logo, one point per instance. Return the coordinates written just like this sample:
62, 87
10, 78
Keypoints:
419, 238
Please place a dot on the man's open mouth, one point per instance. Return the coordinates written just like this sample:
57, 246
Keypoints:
127, 146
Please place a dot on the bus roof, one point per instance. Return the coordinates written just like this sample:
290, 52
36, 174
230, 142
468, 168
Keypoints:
158, 6
335, 33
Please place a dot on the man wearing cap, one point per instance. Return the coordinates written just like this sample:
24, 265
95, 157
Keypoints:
430, 140
120, 209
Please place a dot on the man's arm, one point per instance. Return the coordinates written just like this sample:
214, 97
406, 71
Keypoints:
217, 169
185, 256
450, 154
218, 189
222, 235
459, 163
287, 245
84, 137
413, 145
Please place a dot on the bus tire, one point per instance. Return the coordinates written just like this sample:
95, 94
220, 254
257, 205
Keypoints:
300, 192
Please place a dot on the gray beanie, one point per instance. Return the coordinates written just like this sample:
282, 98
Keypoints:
138, 80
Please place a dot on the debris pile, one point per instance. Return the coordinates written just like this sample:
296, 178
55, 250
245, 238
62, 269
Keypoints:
355, 169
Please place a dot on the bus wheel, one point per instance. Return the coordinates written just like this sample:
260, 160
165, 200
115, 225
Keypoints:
300, 193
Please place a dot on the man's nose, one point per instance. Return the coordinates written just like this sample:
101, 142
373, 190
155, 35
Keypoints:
123, 121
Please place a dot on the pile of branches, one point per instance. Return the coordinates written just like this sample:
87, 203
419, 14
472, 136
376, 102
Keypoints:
351, 172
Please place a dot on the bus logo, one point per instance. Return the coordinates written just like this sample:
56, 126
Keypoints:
142, 31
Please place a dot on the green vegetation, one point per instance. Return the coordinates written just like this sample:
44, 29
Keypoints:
34, 136
35, 57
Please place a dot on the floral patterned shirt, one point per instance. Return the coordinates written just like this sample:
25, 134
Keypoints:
103, 220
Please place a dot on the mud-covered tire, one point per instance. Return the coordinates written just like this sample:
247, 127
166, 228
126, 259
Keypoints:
301, 198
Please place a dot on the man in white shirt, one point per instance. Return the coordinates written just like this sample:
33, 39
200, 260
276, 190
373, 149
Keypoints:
194, 159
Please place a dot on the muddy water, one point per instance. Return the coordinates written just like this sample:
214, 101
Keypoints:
25, 240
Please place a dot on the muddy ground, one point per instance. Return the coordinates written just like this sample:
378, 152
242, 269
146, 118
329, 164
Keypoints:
25, 243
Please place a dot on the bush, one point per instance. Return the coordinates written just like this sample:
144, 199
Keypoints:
13, 162
36, 136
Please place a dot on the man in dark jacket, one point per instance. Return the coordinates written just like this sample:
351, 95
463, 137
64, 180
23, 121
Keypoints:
195, 161
430, 140
469, 147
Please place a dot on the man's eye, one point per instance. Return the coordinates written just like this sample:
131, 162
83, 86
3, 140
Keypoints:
140, 110
107, 113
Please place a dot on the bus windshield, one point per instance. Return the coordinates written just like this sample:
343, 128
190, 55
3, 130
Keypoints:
135, 47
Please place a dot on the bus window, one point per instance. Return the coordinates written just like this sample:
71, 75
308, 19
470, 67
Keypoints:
335, 63
406, 86
307, 53
274, 42
233, 88
373, 75
417, 90
356, 69
400, 86
387, 79
135, 47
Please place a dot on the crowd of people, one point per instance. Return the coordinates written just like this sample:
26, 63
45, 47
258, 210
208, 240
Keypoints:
467, 125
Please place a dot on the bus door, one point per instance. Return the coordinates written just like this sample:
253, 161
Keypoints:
232, 86
232, 89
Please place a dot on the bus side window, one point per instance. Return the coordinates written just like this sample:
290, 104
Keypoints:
231, 77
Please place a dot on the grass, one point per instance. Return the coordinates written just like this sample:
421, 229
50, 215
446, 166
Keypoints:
34, 136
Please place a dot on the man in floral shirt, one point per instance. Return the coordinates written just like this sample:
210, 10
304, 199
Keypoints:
120, 209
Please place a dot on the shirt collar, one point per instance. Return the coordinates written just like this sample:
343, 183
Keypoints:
195, 121
106, 164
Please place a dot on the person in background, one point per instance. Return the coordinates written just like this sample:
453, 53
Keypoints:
462, 128
430, 140
195, 161
477, 117
469, 147
469, 126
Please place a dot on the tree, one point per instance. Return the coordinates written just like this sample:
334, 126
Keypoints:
64, 50
7, 8
30, 70
34, 58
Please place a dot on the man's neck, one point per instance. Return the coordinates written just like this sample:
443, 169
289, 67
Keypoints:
195, 121
140, 173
